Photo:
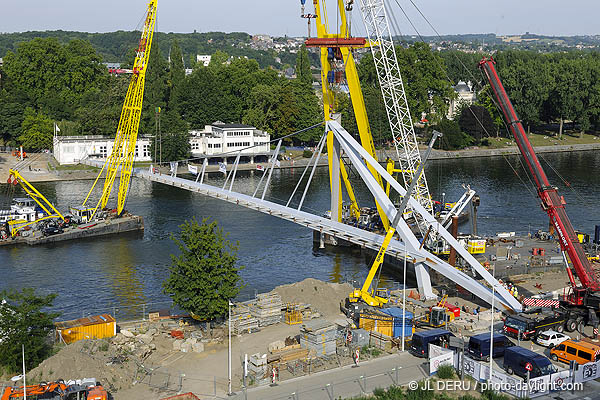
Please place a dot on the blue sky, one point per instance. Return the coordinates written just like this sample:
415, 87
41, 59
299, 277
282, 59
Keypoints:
280, 17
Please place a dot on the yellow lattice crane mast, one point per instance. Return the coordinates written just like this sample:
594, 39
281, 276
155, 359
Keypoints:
337, 48
123, 151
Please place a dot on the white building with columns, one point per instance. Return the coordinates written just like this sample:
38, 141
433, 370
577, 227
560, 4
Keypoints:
72, 149
465, 94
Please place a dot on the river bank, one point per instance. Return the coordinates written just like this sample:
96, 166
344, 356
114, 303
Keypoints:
43, 168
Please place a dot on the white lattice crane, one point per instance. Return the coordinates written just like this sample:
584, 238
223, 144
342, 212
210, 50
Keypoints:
394, 97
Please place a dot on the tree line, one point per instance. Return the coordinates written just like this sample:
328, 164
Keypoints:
45, 80
116, 47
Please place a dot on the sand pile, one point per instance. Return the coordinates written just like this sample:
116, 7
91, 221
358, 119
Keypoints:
87, 359
323, 297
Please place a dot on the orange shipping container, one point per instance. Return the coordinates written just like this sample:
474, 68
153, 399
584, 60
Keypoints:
95, 327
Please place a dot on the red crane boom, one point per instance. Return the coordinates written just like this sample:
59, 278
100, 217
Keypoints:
552, 202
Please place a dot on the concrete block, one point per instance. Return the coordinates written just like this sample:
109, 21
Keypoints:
198, 347
279, 344
145, 338
127, 333
186, 347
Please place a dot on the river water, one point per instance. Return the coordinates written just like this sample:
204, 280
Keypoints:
95, 275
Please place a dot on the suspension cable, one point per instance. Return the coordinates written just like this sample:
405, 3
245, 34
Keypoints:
450, 81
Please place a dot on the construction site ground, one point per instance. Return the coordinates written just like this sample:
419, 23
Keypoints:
142, 362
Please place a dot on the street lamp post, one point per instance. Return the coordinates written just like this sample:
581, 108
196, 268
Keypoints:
229, 358
492, 318
404, 300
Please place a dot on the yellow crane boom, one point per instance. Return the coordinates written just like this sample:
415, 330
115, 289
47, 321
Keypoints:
358, 102
123, 151
49, 209
367, 294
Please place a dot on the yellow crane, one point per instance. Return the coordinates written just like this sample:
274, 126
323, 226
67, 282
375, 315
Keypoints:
14, 177
123, 151
341, 45
367, 294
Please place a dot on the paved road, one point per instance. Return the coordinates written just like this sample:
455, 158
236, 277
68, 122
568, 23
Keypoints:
396, 369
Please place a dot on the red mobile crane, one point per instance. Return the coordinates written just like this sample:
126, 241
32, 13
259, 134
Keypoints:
585, 297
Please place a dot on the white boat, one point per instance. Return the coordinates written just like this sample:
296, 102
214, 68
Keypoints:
21, 209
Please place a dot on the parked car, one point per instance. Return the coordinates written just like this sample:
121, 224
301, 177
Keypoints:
516, 359
551, 338
52, 230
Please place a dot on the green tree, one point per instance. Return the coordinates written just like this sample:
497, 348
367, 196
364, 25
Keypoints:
218, 59
425, 82
454, 138
176, 71
37, 130
100, 109
204, 276
528, 80
54, 76
11, 118
22, 322
476, 122
284, 109
303, 73
156, 92
173, 141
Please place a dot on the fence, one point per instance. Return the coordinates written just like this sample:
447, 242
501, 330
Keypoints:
336, 388
181, 382
122, 313
536, 387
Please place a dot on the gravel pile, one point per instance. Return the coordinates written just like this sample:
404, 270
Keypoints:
324, 297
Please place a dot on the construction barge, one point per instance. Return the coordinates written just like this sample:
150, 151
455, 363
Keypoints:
109, 226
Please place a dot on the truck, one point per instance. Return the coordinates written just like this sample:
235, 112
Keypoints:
580, 304
527, 325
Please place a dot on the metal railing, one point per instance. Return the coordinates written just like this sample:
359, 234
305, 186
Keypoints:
122, 313
346, 387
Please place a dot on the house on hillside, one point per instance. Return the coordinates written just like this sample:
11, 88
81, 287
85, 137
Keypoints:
465, 95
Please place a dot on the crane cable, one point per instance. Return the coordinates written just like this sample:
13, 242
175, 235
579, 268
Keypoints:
476, 82
529, 190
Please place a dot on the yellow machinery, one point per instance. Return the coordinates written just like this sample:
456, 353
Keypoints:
341, 44
367, 294
15, 177
123, 151
436, 317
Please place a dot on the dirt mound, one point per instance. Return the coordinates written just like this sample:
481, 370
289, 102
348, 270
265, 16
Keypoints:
324, 297
86, 359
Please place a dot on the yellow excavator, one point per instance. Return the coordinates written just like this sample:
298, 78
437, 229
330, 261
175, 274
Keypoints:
372, 296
